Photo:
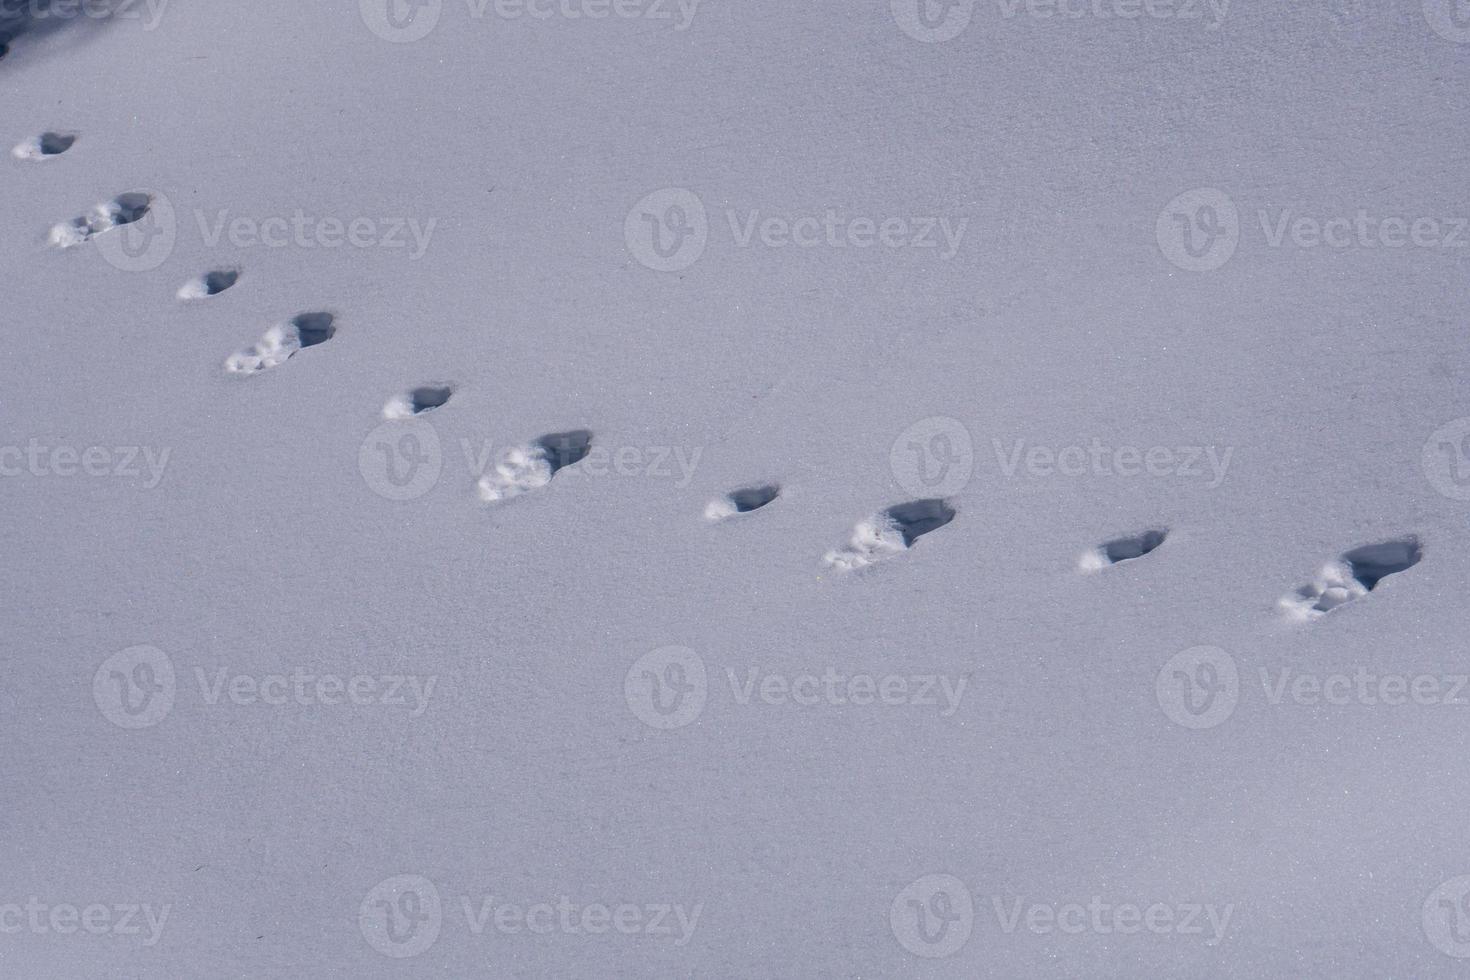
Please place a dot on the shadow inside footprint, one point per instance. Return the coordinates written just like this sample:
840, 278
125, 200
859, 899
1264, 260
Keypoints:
210, 284
44, 146
314, 328
748, 499
562, 449
130, 207
52, 144
219, 280
428, 398
1373, 563
1134, 546
917, 518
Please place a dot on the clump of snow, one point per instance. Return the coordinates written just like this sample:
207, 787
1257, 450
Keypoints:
417, 401
876, 539
519, 470
210, 284
1335, 585
281, 342
275, 347
121, 210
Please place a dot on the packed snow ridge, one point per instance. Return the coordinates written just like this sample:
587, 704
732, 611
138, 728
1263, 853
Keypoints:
531, 467
890, 532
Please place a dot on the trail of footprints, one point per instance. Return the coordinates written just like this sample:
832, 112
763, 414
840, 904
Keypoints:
880, 537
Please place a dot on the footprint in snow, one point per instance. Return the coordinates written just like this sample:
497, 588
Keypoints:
283, 341
121, 210
417, 401
212, 283
1119, 550
530, 467
44, 147
891, 532
1351, 577
741, 501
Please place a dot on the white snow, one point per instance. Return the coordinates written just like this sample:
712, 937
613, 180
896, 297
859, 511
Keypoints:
277, 677
519, 470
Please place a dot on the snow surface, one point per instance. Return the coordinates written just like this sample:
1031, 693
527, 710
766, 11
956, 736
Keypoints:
281, 681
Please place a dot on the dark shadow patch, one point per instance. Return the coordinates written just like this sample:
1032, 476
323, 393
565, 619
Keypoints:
1133, 546
219, 280
428, 398
918, 517
130, 207
563, 449
1373, 563
55, 144
747, 499
314, 328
